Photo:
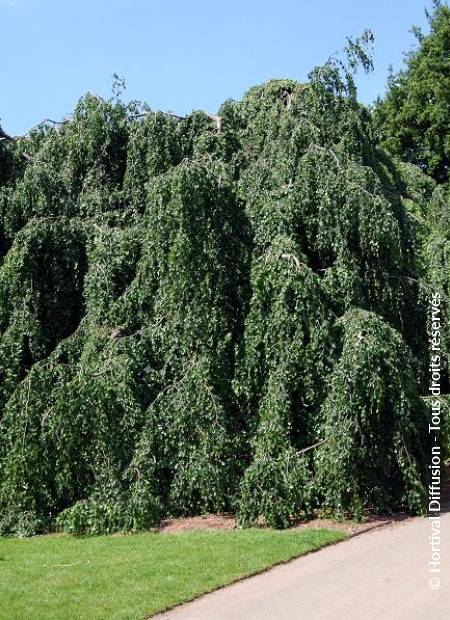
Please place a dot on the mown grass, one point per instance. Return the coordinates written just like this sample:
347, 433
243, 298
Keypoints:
129, 577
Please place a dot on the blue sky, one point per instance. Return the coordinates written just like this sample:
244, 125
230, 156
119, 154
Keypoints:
181, 55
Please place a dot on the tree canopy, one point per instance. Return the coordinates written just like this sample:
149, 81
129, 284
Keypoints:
212, 313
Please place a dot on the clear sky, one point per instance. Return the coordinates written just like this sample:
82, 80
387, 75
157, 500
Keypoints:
181, 55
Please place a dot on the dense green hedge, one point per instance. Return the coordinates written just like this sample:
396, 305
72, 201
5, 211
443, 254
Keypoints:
185, 310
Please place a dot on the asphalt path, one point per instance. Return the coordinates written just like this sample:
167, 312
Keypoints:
378, 575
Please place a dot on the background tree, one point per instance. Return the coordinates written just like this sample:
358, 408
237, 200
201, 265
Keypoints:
414, 117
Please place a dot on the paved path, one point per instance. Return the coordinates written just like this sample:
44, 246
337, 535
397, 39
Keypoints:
379, 575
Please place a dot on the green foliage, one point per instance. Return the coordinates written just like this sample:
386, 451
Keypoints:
428, 206
41, 295
278, 489
413, 117
181, 307
374, 425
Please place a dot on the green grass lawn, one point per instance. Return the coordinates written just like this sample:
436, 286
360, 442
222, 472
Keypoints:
130, 577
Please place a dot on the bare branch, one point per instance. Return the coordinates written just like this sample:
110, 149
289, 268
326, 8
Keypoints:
8, 138
292, 257
171, 114
319, 443
217, 119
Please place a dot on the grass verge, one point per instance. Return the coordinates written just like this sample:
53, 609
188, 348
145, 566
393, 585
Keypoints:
129, 577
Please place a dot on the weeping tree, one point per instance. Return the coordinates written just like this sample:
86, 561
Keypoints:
194, 309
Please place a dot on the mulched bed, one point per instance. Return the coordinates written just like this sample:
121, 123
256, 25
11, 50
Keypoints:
226, 521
